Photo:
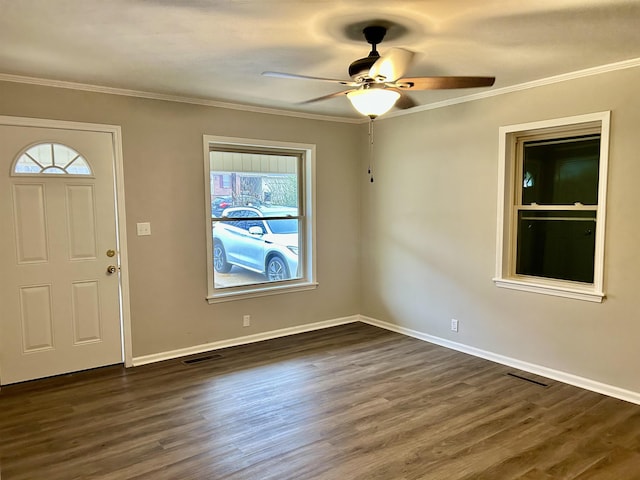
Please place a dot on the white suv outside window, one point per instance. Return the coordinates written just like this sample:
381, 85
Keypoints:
264, 245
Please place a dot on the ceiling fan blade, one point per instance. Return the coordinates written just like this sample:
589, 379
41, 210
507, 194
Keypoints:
439, 83
405, 101
305, 77
391, 65
325, 97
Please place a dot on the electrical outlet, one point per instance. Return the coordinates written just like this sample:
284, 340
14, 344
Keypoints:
454, 325
246, 320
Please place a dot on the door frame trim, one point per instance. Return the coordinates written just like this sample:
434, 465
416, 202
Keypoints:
121, 223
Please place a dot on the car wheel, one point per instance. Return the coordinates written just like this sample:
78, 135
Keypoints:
220, 263
277, 269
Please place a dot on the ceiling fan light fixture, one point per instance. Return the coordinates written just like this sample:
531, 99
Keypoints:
378, 82
373, 102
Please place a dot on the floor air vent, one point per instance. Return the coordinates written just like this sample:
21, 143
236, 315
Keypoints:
530, 380
206, 358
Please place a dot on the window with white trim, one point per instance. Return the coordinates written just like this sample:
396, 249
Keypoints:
551, 218
260, 222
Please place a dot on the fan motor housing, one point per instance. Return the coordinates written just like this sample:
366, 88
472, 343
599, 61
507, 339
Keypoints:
359, 69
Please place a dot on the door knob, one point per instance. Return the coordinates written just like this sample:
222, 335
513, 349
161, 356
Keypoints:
111, 269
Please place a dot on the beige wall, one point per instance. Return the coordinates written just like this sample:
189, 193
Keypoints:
163, 168
429, 233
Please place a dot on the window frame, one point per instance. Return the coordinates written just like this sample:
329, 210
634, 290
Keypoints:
509, 175
307, 203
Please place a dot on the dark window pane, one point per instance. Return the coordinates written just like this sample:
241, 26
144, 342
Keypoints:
559, 244
561, 172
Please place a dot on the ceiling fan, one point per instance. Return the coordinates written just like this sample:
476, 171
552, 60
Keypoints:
377, 82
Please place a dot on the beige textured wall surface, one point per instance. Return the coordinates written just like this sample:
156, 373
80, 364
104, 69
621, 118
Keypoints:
164, 185
426, 229
429, 233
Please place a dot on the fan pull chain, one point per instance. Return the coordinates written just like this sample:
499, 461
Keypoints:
370, 171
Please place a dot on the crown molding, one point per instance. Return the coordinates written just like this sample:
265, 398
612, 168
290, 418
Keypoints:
587, 72
85, 87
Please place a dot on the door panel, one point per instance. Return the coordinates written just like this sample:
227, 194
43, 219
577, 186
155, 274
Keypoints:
83, 242
86, 312
30, 227
60, 307
35, 318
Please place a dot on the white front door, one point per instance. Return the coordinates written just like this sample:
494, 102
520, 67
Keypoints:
59, 304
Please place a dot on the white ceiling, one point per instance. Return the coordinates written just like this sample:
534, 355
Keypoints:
216, 49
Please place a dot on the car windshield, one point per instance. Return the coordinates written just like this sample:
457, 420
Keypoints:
283, 226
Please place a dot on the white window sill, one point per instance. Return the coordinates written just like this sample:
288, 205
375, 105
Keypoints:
558, 290
260, 292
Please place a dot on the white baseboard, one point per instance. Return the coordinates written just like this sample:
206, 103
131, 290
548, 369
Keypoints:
582, 382
258, 337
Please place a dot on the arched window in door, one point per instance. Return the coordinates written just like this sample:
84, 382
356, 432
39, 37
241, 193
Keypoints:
51, 159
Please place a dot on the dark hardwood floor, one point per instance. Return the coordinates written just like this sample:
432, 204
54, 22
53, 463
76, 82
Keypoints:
350, 402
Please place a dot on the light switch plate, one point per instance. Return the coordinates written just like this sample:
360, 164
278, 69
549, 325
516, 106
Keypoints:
143, 228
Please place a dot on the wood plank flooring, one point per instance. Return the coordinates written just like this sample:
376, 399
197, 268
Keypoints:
352, 402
